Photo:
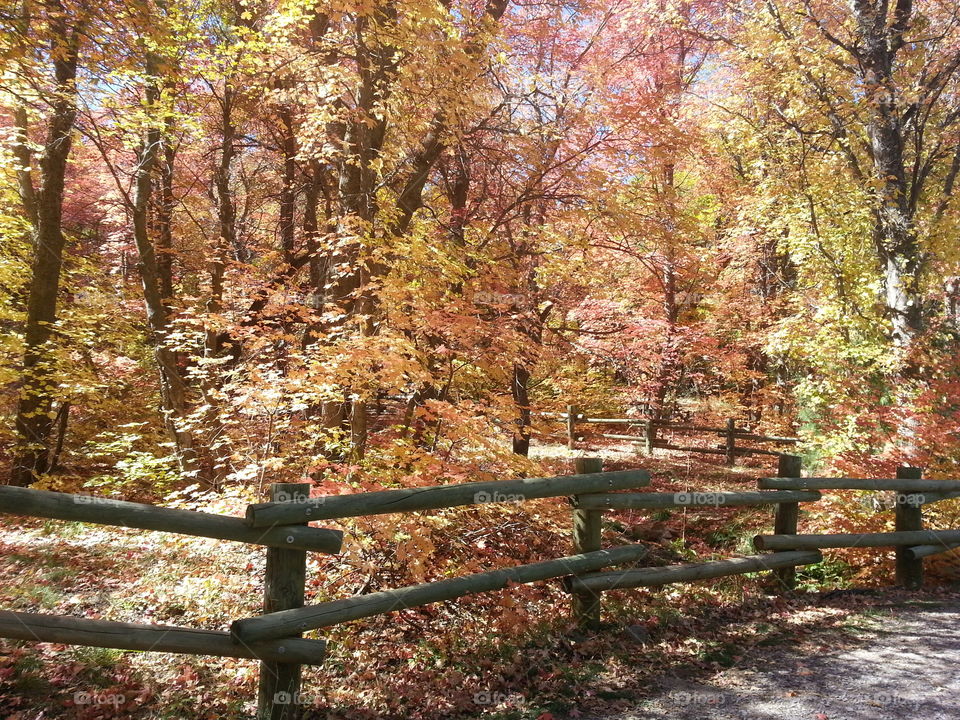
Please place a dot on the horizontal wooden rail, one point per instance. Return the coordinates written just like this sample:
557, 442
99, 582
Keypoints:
660, 424
766, 438
665, 424
850, 540
739, 434
559, 415
932, 497
154, 638
106, 511
921, 551
662, 445
715, 451
679, 427
897, 484
288, 622
441, 496
757, 451
628, 438
629, 501
644, 577
688, 427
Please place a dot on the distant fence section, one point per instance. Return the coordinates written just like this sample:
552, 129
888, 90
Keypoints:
579, 427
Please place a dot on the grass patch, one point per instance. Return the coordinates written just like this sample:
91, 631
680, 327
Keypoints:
830, 574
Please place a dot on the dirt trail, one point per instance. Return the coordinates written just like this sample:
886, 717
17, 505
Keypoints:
901, 666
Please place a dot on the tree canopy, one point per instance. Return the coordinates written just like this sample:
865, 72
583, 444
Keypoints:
251, 240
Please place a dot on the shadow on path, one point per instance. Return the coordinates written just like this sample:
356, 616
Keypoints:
904, 666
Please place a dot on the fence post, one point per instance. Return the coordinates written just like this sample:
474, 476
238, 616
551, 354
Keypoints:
785, 521
571, 427
731, 441
649, 436
909, 516
586, 538
283, 589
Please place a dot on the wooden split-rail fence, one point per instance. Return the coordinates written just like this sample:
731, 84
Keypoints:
275, 637
579, 427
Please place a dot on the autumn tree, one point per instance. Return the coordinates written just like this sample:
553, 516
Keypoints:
869, 90
46, 88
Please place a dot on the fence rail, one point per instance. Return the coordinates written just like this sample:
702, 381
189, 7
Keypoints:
912, 485
282, 624
438, 497
690, 572
119, 513
637, 501
853, 540
154, 638
921, 551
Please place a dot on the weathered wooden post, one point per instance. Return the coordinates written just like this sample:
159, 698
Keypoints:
731, 441
649, 436
587, 526
785, 521
286, 577
571, 427
909, 516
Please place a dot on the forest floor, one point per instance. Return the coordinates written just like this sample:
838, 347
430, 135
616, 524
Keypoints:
895, 661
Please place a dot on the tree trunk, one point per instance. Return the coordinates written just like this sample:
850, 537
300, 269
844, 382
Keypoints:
21, 151
521, 398
164, 226
34, 422
61, 421
215, 458
173, 387
669, 360
288, 191
894, 233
